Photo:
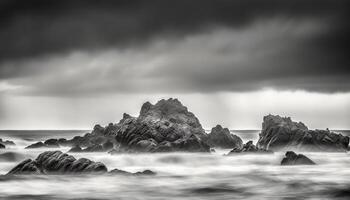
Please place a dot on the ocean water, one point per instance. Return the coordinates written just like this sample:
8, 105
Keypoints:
180, 175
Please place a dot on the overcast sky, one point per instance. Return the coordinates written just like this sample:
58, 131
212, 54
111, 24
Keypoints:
71, 64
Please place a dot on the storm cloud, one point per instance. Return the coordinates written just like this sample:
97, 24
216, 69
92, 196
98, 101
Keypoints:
73, 48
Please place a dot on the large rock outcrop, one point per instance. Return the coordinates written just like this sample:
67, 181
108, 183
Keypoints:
56, 162
165, 126
281, 133
291, 158
222, 138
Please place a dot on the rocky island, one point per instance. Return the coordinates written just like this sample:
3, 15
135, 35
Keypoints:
163, 127
282, 134
222, 138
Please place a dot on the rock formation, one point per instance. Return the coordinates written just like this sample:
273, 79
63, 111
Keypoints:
291, 158
2, 146
249, 147
222, 138
56, 162
100, 139
165, 126
281, 133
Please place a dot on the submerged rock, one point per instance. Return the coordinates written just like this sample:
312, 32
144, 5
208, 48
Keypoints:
249, 147
56, 162
122, 172
76, 149
281, 133
2, 146
291, 158
36, 145
222, 138
6, 142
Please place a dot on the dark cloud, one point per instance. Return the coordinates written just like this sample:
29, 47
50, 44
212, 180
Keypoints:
174, 46
36, 27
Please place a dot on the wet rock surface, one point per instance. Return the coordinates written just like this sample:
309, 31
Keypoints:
163, 127
220, 137
249, 147
281, 133
56, 162
291, 158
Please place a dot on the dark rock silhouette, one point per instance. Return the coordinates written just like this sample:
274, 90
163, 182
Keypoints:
2, 146
56, 162
36, 145
100, 139
76, 149
165, 126
249, 147
52, 143
122, 172
6, 142
291, 158
281, 133
222, 138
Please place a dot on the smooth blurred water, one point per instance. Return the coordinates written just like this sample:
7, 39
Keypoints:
186, 176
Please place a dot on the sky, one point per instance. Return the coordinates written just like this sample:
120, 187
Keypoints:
72, 64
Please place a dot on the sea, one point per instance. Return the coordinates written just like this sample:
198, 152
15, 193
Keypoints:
182, 176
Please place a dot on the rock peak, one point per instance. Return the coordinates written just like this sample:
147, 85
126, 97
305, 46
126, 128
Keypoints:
276, 120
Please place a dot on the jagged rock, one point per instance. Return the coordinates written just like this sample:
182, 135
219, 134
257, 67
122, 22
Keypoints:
6, 142
281, 133
165, 126
56, 162
222, 138
36, 145
249, 147
94, 148
291, 158
2, 146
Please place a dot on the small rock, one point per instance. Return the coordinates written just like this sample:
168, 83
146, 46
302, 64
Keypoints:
36, 145
291, 158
